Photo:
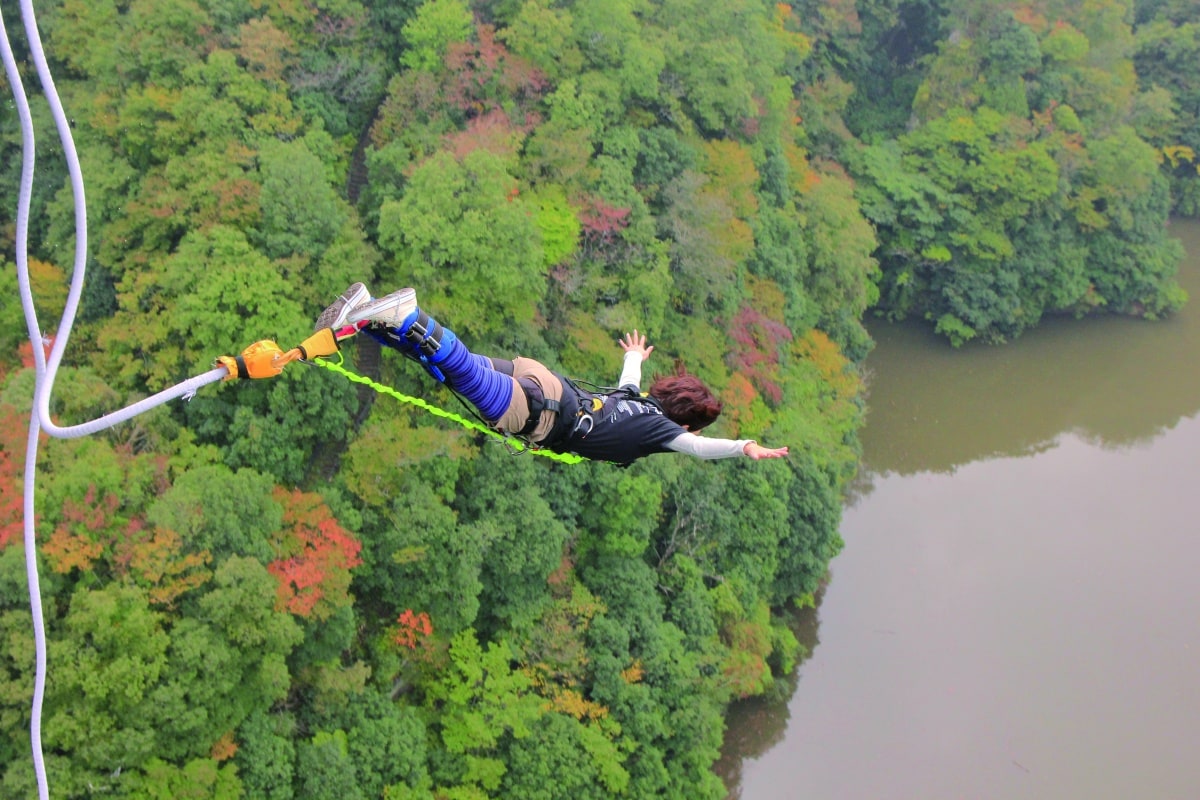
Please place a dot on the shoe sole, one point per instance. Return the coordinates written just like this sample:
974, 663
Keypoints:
389, 310
336, 315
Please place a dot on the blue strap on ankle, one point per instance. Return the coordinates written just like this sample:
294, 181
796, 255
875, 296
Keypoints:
390, 337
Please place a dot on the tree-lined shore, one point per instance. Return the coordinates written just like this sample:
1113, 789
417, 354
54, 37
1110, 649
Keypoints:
288, 589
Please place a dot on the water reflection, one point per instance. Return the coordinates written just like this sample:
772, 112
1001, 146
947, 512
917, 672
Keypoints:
1113, 381
1021, 628
756, 725
1016, 601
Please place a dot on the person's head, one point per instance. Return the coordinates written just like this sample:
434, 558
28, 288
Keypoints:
685, 399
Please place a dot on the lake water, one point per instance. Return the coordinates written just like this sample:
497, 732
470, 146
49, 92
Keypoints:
1016, 612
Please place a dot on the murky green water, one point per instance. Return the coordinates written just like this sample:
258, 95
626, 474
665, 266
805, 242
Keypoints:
1016, 613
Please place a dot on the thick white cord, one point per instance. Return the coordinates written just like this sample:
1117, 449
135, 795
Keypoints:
31, 447
35, 608
47, 369
46, 386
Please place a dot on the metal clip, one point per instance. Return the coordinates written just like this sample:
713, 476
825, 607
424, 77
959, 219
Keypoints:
591, 423
513, 450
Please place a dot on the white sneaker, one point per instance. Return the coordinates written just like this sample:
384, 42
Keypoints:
389, 310
335, 316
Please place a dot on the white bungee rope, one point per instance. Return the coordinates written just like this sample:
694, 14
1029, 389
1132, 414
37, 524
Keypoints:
47, 369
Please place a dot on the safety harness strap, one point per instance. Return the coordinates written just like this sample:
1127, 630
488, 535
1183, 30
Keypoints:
574, 405
538, 403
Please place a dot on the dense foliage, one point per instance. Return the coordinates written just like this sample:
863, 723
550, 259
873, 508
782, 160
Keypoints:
1021, 168
288, 589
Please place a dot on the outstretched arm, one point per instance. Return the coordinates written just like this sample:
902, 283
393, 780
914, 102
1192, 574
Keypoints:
636, 351
708, 447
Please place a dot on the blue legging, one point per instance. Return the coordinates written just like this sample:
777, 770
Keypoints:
471, 375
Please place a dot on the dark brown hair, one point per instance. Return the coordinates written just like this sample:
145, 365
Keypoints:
685, 399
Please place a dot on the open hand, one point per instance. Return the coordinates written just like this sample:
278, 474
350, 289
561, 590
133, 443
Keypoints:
757, 451
636, 343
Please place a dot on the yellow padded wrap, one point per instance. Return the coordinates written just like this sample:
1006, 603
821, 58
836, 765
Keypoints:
265, 359
259, 360
320, 344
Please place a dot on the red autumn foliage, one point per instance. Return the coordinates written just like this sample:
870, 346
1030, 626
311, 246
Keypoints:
757, 343
414, 629
11, 501
80, 538
224, 748
316, 555
601, 222
25, 349
14, 428
491, 131
484, 71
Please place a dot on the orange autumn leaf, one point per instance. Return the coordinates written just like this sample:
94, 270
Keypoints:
316, 555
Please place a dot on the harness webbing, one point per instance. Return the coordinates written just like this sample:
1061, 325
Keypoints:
513, 444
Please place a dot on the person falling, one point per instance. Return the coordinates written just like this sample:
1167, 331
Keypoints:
522, 397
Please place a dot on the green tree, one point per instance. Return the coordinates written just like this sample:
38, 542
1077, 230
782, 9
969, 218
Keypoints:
623, 512
241, 607
642, 673
543, 35
1168, 52
622, 54
725, 56
324, 768
708, 245
841, 274
523, 540
195, 305
225, 512
301, 212
201, 779
482, 704
436, 25
266, 755
386, 741
434, 567
273, 428
563, 759
16, 666
112, 653
344, 63
462, 233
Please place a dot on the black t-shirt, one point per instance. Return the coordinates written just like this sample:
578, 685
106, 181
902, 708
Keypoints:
624, 429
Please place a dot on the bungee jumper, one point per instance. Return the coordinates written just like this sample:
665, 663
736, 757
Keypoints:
523, 398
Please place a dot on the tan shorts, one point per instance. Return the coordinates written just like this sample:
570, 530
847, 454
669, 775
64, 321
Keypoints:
517, 414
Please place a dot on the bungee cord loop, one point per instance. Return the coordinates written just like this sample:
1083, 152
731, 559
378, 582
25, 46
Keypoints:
262, 359
260, 362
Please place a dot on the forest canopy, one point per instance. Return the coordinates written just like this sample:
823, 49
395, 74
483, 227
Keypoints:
296, 589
